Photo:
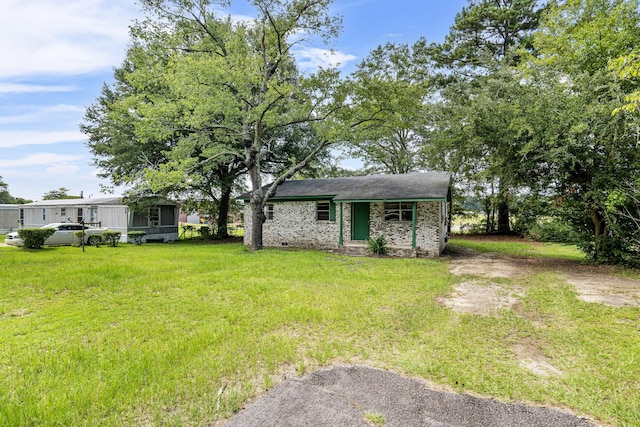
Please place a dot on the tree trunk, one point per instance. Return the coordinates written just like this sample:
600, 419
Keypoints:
503, 209
257, 219
599, 233
487, 210
503, 218
223, 212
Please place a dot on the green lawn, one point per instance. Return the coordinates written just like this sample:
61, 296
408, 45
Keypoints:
182, 334
522, 248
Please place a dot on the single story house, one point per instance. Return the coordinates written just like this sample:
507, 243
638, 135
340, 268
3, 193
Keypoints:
412, 212
158, 218
9, 218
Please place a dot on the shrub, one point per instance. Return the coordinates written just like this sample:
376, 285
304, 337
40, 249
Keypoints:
77, 238
136, 236
205, 232
111, 237
34, 238
551, 230
378, 246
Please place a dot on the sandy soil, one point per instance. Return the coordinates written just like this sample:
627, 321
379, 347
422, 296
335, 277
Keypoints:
592, 283
485, 294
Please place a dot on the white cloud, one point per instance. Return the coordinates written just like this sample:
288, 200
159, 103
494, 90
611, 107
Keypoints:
314, 58
31, 88
10, 139
53, 160
39, 37
39, 114
63, 169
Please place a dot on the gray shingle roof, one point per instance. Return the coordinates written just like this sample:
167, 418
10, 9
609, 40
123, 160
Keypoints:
415, 186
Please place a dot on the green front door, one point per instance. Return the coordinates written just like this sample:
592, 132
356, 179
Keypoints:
360, 221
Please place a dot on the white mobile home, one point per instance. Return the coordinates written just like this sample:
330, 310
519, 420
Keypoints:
158, 219
9, 218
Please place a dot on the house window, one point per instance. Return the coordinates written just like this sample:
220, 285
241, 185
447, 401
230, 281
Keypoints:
396, 211
268, 211
80, 215
325, 211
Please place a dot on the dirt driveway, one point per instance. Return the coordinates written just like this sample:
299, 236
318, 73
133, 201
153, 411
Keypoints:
592, 284
484, 292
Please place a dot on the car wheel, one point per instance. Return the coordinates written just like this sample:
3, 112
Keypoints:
93, 240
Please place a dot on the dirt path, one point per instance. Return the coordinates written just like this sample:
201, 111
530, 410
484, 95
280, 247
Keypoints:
485, 294
591, 285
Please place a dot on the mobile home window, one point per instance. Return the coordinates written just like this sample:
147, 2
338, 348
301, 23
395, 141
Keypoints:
140, 219
268, 211
63, 213
44, 214
397, 211
154, 217
80, 215
167, 215
325, 211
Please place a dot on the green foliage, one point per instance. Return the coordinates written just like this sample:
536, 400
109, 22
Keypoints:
627, 68
34, 238
392, 85
136, 236
61, 193
551, 230
584, 152
205, 232
6, 198
378, 245
111, 237
484, 32
232, 102
77, 238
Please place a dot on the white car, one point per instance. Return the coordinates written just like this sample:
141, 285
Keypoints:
63, 235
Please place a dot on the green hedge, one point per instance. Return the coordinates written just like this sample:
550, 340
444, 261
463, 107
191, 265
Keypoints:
136, 236
34, 238
111, 237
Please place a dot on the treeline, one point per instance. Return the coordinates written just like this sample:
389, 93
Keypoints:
533, 107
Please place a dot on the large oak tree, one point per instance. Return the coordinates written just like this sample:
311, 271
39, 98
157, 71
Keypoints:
229, 93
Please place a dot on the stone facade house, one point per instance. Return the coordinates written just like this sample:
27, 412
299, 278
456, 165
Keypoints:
412, 211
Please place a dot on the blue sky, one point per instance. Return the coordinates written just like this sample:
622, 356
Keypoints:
56, 54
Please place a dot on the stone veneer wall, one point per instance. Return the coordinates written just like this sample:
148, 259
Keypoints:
294, 224
429, 228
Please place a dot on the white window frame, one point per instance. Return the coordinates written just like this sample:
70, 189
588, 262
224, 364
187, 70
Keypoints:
402, 213
268, 211
154, 219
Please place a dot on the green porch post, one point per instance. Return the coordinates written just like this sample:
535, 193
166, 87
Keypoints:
341, 226
414, 210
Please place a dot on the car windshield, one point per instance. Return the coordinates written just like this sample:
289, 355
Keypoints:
50, 226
